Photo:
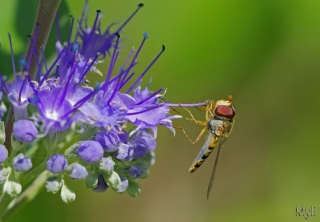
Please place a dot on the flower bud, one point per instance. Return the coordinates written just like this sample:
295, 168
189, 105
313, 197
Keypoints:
53, 184
25, 131
108, 140
12, 185
112, 179
101, 185
124, 153
90, 151
78, 172
3, 153
135, 171
133, 189
67, 194
123, 185
106, 164
57, 163
22, 163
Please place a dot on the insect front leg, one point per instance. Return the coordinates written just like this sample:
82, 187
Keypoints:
184, 132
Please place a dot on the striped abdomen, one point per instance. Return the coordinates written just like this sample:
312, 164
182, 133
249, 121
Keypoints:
203, 154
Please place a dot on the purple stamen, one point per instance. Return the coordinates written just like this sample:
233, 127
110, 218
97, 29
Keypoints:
82, 16
71, 28
89, 67
127, 80
53, 64
86, 98
57, 71
112, 59
115, 88
12, 57
95, 23
20, 92
33, 52
64, 92
146, 110
130, 17
151, 96
145, 36
146, 70
33, 44
44, 58
129, 56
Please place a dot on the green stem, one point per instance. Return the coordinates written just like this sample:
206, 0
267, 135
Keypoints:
25, 197
45, 16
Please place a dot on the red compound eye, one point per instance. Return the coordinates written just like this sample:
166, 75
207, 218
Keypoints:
225, 111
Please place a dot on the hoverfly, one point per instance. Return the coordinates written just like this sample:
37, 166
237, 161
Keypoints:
219, 122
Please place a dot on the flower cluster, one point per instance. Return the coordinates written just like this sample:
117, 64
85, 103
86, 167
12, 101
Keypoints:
116, 128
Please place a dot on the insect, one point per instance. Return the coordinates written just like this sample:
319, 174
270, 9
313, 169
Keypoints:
219, 122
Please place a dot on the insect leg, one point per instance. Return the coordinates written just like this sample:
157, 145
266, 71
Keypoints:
209, 109
193, 119
184, 132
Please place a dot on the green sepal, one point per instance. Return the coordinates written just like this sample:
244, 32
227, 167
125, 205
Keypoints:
92, 180
89, 132
16, 144
67, 194
112, 179
4, 172
133, 189
2, 133
12, 185
70, 152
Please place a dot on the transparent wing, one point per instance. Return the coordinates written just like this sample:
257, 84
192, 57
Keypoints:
204, 148
220, 143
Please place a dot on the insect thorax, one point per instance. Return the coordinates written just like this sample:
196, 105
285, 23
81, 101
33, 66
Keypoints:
219, 127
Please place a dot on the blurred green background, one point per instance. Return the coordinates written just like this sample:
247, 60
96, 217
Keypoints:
265, 53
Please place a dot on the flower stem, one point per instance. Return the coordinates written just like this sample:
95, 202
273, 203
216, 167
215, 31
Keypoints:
45, 16
25, 197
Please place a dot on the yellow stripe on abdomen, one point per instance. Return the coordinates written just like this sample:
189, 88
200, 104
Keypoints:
201, 160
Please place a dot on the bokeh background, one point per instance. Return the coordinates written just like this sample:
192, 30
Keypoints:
265, 53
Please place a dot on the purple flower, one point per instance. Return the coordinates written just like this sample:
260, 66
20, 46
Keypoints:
22, 163
18, 92
57, 163
90, 151
108, 140
25, 131
78, 171
3, 153
64, 104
